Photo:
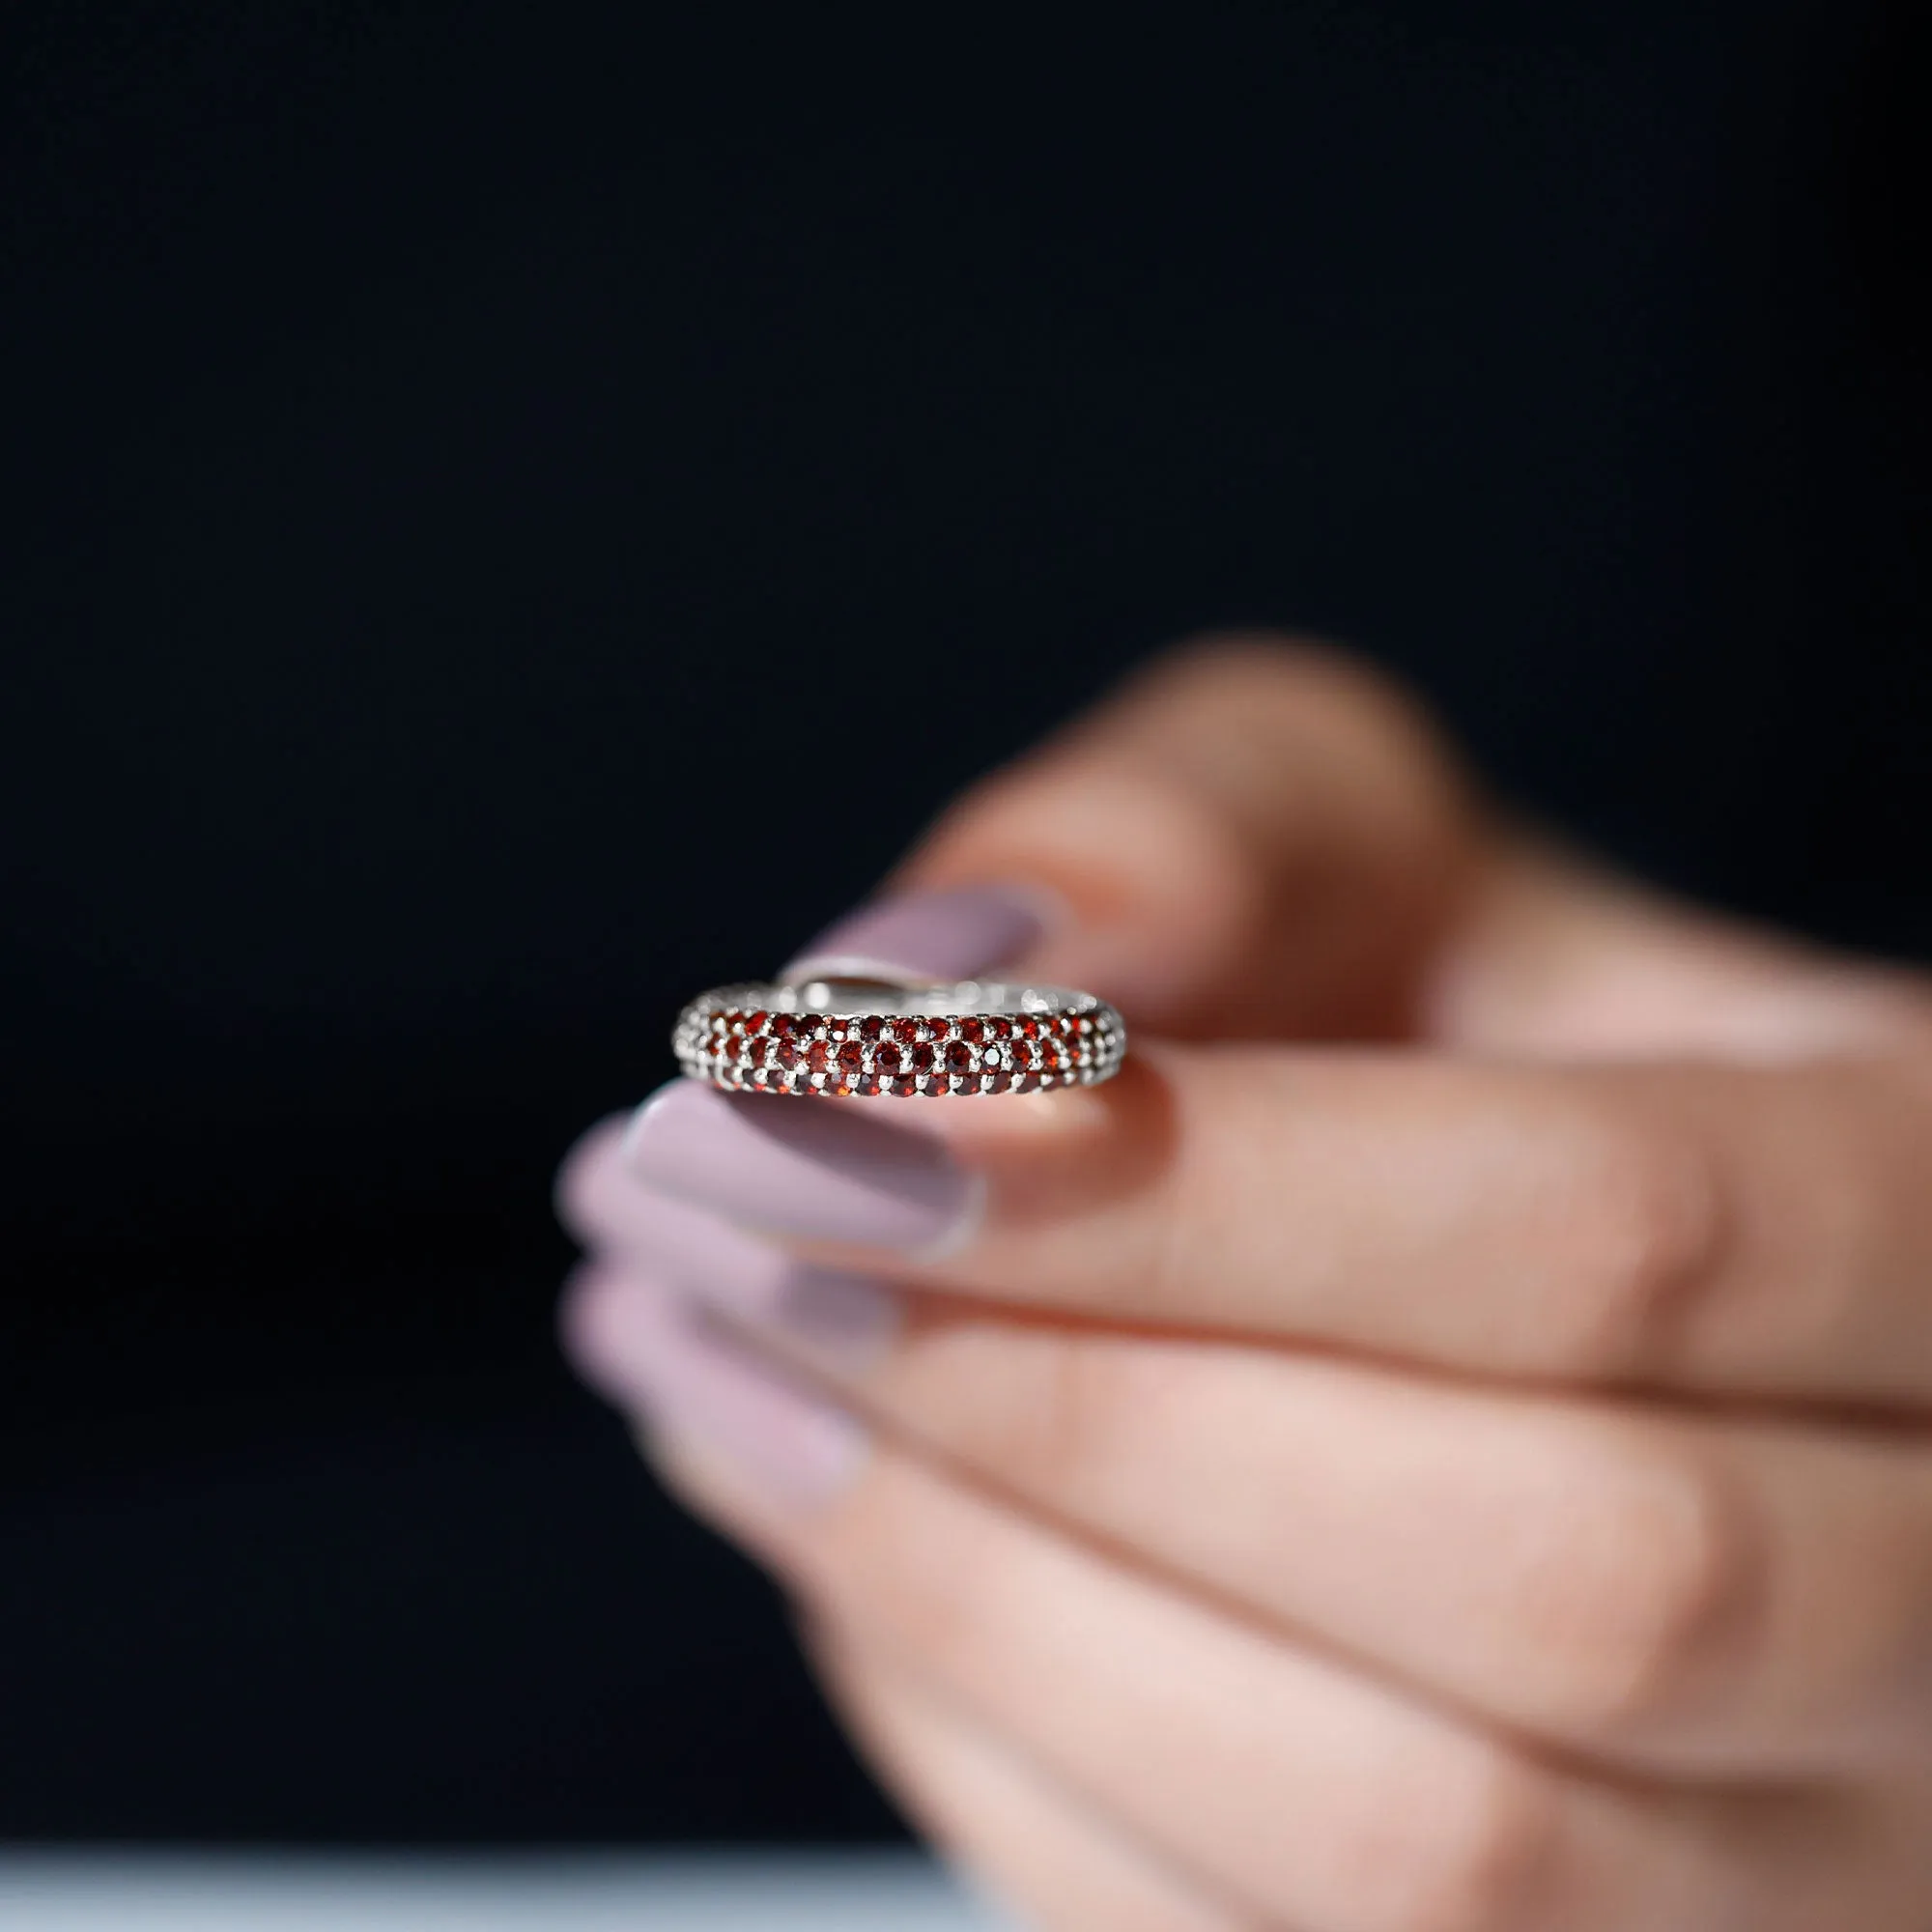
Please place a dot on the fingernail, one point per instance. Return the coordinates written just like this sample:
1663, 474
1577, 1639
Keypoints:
602, 1202
653, 1353
938, 935
806, 1169
834, 1319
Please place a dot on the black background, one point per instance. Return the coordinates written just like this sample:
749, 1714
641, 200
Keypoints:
516, 514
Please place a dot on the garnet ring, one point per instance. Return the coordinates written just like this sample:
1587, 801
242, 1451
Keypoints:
840, 1036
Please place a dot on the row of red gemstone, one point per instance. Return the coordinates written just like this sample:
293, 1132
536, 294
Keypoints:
842, 1083
889, 1059
978, 1029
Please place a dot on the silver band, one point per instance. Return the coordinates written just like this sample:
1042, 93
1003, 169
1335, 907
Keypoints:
842, 1037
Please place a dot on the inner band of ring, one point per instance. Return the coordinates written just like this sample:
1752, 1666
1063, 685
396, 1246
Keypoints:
838, 1038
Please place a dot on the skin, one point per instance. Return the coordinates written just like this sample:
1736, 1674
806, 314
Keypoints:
1441, 1441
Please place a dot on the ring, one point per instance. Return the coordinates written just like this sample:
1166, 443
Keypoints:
840, 1036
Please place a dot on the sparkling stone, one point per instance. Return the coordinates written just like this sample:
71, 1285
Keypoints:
905, 1031
923, 1059
887, 1059
817, 1055
960, 1057
851, 1057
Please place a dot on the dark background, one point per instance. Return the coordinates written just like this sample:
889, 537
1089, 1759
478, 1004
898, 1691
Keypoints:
516, 514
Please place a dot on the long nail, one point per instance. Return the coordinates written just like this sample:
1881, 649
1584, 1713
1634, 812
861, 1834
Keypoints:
610, 1211
835, 1319
655, 1354
807, 1169
937, 935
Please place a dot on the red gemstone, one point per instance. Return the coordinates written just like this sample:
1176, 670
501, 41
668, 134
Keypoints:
851, 1057
1065, 1025
1030, 1027
973, 1028
1025, 1083
818, 1055
784, 1053
905, 1031
960, 1058
886, 1058
870, 1028
996, 1082
997, 1027
905, 1087
1024, 1052
938, 1027
923, 1059
754, 1021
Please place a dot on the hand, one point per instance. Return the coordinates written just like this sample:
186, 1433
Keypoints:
1471, 1476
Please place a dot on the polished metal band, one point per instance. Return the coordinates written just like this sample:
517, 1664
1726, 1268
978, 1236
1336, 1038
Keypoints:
840, 1036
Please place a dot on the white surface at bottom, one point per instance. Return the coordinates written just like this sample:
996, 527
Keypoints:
752, 1891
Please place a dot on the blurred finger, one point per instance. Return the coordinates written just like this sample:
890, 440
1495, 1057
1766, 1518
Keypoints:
1259, 838
1657, 1590
1248, 838
1750, 1230
1313, 1795
1030, 1843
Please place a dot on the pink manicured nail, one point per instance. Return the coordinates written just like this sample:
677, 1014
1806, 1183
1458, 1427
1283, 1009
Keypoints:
832, 1317
810, 1169
651, 1350
942, 935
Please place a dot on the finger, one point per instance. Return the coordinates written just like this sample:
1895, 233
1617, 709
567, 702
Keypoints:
1554, 956
1020, 1834
1248, 838
1658, 1591
1259, 838
1761, 1231
1306, 1791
